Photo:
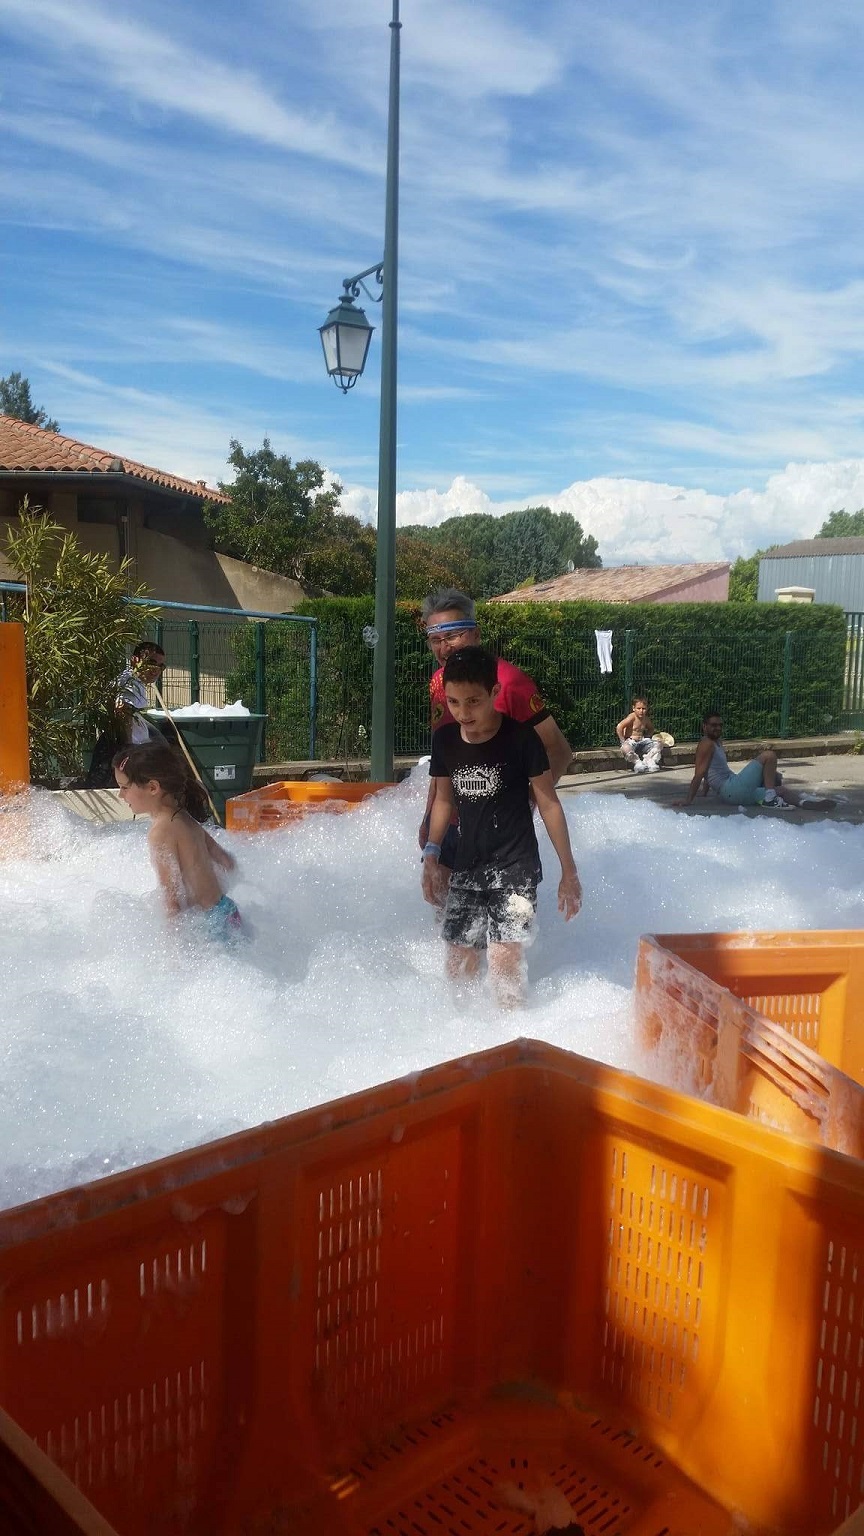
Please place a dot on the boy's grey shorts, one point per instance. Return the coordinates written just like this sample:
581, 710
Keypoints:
498, 912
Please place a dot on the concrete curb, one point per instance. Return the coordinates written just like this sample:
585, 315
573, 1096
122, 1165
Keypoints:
593, 760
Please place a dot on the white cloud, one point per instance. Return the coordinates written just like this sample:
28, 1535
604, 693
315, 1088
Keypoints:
643, 521
427, 507
629, 247
150, 67
470, 50
633, 520
156, 429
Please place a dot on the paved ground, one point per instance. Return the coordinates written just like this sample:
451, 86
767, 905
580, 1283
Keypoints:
840, 777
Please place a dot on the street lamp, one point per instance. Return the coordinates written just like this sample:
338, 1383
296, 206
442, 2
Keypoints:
345, 337
346, 333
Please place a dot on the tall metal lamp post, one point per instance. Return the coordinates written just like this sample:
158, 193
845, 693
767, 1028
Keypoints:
345, 337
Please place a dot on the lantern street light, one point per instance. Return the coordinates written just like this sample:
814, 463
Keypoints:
345, 337
346, 333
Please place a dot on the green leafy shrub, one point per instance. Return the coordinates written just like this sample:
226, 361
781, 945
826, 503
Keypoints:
78, 628
688, 658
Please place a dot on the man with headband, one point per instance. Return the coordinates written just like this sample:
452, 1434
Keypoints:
449, 619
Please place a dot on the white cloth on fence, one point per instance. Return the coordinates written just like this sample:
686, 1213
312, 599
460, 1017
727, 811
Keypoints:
604, 648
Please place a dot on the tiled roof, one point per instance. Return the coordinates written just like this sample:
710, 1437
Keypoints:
815, 547
24, 447
616, 584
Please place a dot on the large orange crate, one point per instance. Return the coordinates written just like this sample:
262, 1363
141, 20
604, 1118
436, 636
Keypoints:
278, 805
769, 1024
521, 1269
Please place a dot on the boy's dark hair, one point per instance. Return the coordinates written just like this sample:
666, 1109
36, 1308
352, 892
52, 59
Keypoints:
147, 648
711, 714
639, 698
473, 664
157, 760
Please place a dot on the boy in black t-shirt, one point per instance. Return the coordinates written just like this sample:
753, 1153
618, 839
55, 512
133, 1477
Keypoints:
487, 765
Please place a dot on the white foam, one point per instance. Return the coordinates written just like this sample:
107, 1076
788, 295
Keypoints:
204, 711
123, 1042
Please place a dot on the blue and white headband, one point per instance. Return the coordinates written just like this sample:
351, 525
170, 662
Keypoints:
452, 627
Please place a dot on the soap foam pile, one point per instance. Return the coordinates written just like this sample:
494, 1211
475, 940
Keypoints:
124, 1041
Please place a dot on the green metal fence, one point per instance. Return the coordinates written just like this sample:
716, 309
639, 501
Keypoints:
774, 684
314, 682
270, 665
268, 662
853, 682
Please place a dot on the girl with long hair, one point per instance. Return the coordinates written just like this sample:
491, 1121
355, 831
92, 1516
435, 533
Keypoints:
155, 781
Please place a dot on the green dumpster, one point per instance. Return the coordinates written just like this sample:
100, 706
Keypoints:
224, 747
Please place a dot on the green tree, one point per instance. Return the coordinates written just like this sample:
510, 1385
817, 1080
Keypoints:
15, 400
278, 511
475, 533
744, 578
78, 627
497, 554
843, 525
342, 560
421, 566
538, 544
343, 563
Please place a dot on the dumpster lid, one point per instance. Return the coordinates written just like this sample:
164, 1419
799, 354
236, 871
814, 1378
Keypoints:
205, 712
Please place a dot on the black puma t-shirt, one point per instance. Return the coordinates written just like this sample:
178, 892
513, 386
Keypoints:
490, 783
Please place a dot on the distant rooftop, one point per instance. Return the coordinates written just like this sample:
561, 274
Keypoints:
617, 584
815, 547
25, 448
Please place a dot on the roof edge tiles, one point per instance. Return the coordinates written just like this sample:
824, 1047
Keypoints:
617, 583
815, 548
27, 449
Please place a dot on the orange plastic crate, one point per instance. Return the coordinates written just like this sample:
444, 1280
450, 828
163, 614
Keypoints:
364, 1320
769, 1024
278, 805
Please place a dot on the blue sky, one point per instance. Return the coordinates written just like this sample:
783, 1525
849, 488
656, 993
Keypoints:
631, 270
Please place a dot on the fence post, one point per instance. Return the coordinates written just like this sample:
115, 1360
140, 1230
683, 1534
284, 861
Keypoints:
313, 690
628, 668
160, 634
261, 682
787, 683
194, 662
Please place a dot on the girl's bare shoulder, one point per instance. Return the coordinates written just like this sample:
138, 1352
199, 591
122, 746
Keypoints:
177, 831
187, 830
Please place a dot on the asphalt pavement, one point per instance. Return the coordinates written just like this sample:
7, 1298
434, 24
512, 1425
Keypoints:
839, 777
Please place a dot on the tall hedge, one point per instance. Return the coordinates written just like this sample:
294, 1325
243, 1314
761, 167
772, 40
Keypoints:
688, 657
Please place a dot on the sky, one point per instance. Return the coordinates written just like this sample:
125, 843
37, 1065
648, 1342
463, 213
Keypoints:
631, 283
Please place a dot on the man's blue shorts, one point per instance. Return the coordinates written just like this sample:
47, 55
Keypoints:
746, 787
